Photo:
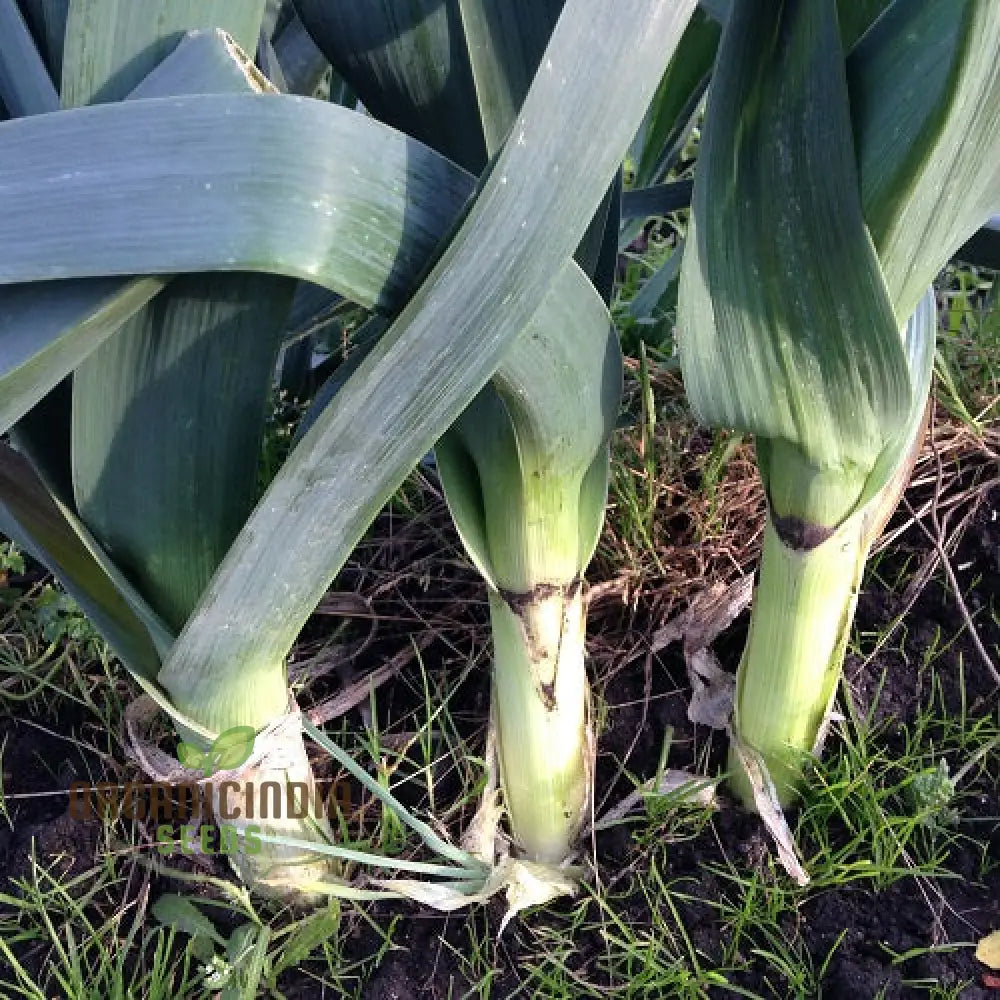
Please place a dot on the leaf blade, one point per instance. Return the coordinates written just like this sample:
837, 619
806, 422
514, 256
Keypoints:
444, 368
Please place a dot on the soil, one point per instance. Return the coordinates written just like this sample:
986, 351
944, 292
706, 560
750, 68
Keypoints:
853, 930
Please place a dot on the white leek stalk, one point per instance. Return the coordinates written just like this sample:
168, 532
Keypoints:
802, 613
525, 473
277, 869
540, 702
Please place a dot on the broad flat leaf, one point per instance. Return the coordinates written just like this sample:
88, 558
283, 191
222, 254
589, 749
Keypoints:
40, 524
671, 113
168, 420
505, 43
227, 182
919, 345
409, 66
196, 364
925, 102
45, 334
448, 340
112, 44
302, 63
521, 430
597, 253
267, 60
661, 199
25, 85
204, 62
785, 326
182, 915
47, 20
532, 437
47, 331
395, 65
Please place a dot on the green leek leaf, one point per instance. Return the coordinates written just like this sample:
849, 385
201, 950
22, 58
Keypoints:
785, 327
448, 340
925, 102
25, 85
111, 45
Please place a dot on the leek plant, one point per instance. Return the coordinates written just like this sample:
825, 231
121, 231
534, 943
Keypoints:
829, 194
151, 247
525, 467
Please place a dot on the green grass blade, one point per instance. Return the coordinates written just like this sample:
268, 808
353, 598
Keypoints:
426, 834
366, 857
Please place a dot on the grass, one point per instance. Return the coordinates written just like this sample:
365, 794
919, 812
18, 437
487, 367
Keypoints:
681, 900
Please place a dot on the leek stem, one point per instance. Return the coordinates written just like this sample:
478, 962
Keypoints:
281, 863
271, 869
540, 694
801, 620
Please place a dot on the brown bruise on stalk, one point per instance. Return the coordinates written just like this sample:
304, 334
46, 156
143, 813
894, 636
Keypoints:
798, 534
519, 603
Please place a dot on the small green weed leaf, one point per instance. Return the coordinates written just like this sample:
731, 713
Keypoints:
11, 560
231, 748
933, 790
241, 942
309, 935
190, 756
62, 620
182, 915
